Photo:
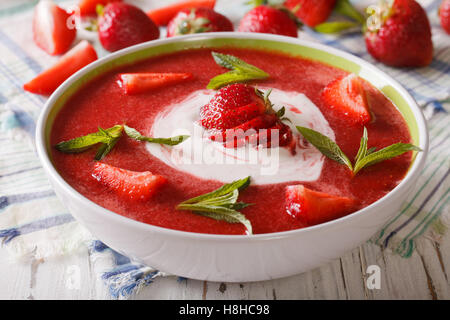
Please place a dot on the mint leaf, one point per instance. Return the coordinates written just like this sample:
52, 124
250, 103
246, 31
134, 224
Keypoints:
389, 152
240, 71
136, 135
80, 144
221, 204
325, 145
362, 152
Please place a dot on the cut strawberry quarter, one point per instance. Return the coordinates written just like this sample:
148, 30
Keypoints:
78, 57
51, 31
313, 207
163, 15
140, 82
348, 98
131, 185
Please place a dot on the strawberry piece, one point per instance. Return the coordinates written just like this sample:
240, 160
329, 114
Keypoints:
444, 15
131, 185
162, 16
121, 25
140, 82
311, 12
76, 58
88, 7
236, 114
51, 31
266, 19
197, 20
403, 38
347, 96
313, 207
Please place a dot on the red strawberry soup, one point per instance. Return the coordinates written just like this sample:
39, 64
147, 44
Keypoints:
303, 188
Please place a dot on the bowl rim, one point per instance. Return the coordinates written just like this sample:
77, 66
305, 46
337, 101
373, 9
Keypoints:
403, 186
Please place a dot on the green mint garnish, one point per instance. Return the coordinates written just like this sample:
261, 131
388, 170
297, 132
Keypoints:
107, 137
221, 204
364, 158
134, 134
240, 71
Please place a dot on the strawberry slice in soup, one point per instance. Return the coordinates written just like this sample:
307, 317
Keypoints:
347, 97
313, 207
128, 184
75, 59
140, 82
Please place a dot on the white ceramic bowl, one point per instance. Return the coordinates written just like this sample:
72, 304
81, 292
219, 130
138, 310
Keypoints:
222, 257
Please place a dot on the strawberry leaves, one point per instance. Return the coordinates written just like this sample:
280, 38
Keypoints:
364, 158
108, 139
240, 71
221, 204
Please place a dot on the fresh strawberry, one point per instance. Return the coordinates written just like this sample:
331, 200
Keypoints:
196, 20
313, 207
76, 58
131, 185
121, 25
403, 37
236, 114
51, 31
162, 16
267, 19
311, 12
444, 14
347, 97
140, 82
88, 7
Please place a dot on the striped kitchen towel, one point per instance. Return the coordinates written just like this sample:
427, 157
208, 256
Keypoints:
33, 222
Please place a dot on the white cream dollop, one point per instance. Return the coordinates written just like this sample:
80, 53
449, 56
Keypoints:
207, 159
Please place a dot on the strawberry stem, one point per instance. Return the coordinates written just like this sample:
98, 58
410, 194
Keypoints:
345, 8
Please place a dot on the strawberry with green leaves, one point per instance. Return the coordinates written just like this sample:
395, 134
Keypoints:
197, 20
399, 34
444, 15
268, 19
239, 113
161, 16
121, 25
88, 7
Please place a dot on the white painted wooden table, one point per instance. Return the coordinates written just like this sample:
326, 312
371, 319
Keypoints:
422, 276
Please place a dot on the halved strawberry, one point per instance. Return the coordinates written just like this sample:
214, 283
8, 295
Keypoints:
162, 16
313, 207
51, 32
78, 57
237, 113
128, 184
141, 82
88, 7
347, 96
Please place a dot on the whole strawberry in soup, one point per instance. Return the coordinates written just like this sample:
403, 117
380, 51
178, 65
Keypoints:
267, 19
444, 14
239, 113
196, 20
399, 34
121, 25
311, 12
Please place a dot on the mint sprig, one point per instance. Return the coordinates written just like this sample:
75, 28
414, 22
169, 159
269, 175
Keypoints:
136, 135
240, 71
221, 204
364, 158
107, 137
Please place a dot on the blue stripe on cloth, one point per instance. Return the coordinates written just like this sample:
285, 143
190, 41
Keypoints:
25, 121
18, 51
11, 233
411, 218
24, 197
18, 172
